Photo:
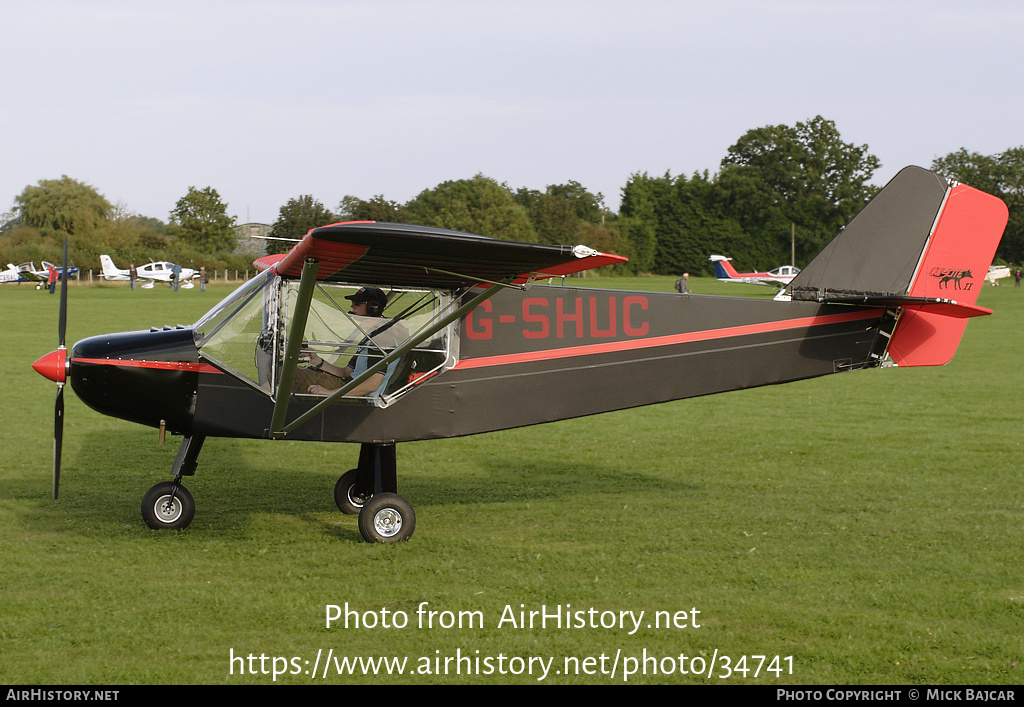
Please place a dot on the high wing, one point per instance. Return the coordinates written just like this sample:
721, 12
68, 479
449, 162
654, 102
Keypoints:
27, 272
401, 255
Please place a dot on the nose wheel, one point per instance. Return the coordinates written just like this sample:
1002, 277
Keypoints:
168, 506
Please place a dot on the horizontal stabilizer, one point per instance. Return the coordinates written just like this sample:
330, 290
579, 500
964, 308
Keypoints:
935, 305
951, 309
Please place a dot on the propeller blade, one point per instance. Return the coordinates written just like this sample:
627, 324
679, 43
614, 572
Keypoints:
58, 438
58, 411
62, 323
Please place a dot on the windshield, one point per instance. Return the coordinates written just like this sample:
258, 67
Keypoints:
210, 322
239, 334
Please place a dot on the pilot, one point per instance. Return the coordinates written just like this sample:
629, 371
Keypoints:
367, 302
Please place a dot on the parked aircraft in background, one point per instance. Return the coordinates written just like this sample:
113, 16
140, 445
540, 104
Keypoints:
27, 272
779, 277
11, 274
160, 271
996, 272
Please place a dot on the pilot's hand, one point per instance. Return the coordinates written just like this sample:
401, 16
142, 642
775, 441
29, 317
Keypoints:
318, 390
314, 360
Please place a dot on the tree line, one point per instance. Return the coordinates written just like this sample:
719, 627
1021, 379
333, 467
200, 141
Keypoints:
199, 230
780, 194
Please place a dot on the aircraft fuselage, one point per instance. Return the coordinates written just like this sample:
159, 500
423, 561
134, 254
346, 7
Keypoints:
523, 358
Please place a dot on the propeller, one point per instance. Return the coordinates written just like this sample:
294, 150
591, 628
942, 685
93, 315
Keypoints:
58, 411
58, 438
54, 366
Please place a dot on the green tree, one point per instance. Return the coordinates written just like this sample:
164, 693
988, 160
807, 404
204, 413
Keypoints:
61, 206
559, 212
295, 219
478, 205
778, 176
1001, 175
201, 220
378, 208
643, 201
677, 223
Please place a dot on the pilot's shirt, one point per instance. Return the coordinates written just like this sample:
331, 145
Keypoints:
361, 361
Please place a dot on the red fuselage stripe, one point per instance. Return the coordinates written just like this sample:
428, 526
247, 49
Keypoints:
158, 365
634, 344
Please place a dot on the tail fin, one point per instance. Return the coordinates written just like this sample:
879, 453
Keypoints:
723, 268
922, 245
110, 271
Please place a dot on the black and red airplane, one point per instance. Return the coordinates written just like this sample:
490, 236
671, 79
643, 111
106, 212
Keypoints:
454, 338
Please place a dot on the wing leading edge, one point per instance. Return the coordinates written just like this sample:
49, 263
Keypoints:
394, 254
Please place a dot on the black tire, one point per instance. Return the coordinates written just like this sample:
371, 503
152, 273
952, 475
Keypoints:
160, 513
387, 518
344, 495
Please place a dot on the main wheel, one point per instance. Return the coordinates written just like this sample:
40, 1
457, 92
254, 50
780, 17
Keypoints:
345, 496
161, 512
387, 518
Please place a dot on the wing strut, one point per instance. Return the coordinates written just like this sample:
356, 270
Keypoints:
278, 429
294, 344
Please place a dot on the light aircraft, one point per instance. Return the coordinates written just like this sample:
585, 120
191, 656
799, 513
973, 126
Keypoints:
996, 273
779, 277
465, 343
27, 272
158, 271
11, 274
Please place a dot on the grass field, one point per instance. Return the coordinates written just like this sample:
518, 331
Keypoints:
864, 527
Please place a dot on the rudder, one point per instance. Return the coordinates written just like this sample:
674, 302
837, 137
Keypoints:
953, 266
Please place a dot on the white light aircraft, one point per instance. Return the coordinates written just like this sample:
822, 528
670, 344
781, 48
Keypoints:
148, 274
779, 277
996, 272
11, 274
27, 272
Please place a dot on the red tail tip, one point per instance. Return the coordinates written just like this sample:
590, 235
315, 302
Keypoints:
53, 365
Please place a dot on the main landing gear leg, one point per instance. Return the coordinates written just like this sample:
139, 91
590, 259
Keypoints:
168, 504
371, 490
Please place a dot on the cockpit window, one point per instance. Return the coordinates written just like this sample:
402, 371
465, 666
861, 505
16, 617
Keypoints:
355, 342
246, 335
239, 334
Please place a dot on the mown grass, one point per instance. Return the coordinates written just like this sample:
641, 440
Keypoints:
866, 524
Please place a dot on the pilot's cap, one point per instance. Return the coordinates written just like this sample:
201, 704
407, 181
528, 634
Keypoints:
369, 294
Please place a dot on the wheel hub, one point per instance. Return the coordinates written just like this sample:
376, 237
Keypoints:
388, 522
167, 509
356, 499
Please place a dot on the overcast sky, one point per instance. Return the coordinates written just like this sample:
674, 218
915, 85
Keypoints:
267, 101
